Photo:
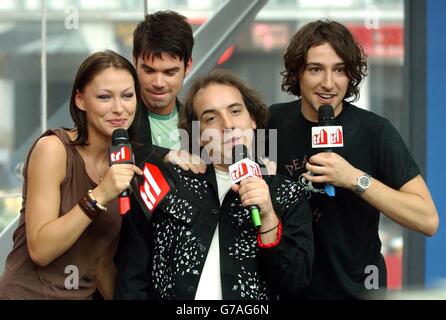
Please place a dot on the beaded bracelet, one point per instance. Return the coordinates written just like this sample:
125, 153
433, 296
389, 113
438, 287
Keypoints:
95, 202
87, 207
90, 206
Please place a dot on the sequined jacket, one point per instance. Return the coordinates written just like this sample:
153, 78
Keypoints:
163, 258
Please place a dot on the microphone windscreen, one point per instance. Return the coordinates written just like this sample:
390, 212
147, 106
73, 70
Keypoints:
120, 136
325, 115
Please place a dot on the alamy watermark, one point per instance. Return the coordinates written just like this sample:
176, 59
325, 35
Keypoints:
72, 280
214, 146
372, 17
72, 18
371, 282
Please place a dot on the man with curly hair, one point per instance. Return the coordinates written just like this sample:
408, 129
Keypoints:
200, 243
373, 172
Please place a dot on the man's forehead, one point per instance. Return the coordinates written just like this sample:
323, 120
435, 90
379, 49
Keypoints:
163, 58
323, 54
218, 94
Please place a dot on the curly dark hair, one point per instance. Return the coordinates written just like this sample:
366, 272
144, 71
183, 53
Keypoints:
256, 107
163, 32
318, 33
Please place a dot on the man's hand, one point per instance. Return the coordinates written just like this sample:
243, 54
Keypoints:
186, 161
329, 167
270, 166
255, 191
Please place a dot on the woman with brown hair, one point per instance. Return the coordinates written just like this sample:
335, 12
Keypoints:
69, 221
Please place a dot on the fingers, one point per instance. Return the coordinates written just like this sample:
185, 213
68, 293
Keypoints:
118, 178
198, 164
183, 166
235, 187
317, 169
270, 165
137, 170
255, 191
253, 188
315, 179
250, 198
321, 159
196, 168
329, 167
187, 161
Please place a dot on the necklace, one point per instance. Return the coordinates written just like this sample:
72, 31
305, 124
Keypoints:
90, 164
99, 174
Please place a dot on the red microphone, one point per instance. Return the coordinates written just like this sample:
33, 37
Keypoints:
121, 152
243, 168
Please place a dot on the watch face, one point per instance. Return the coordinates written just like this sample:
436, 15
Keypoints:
364, 182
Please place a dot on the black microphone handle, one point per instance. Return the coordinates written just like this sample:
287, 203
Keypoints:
125, 193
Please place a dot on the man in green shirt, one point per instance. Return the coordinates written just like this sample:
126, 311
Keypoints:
162, 55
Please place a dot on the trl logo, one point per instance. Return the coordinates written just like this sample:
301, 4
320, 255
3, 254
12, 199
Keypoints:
327, 137
122, 155
243, 169
154, 188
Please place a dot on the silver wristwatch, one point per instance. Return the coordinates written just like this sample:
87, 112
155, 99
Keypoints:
363, 183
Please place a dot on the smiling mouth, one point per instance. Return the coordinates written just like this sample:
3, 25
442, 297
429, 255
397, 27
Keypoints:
326, 96
117, 122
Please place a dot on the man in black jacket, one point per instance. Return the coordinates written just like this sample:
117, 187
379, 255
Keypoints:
200, 242
162, 56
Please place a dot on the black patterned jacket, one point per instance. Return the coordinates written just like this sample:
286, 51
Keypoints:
163, 258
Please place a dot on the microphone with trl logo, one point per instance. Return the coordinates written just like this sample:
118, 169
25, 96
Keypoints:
242, 168
121, 152
326, 136
152, 187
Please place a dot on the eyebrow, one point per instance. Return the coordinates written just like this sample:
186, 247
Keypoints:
235, 104
317, 64
110, 91
174, 69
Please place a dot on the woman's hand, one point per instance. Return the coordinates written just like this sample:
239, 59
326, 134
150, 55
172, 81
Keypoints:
116, 179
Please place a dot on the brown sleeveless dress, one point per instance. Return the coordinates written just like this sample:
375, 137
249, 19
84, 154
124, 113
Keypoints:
23, 279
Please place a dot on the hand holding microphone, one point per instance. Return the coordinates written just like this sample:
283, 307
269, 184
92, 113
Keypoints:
328, 166
121, 153
326, 136
118, 176
247, 181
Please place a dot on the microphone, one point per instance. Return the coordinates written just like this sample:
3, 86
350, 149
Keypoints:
121, 152
155, 183
327, 136
242, 168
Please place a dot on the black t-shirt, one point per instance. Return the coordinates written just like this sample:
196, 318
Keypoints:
345, 226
